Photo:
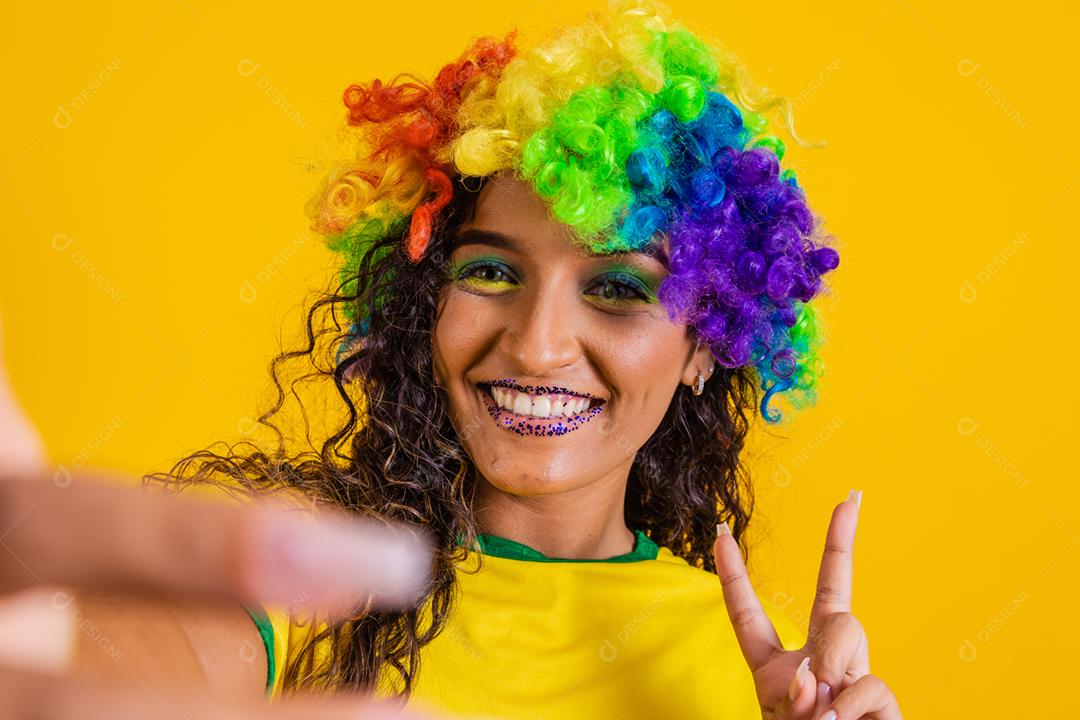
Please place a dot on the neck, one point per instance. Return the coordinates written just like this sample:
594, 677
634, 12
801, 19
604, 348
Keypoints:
585, 523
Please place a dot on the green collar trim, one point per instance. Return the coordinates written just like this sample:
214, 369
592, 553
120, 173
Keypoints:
644, 549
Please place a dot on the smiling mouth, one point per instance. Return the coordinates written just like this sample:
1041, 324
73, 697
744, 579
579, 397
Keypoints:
542, 411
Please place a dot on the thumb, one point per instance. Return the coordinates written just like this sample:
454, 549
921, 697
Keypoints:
802, 693
21, 448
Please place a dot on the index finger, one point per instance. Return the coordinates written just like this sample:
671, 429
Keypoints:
99, 534
755, 632
834, 576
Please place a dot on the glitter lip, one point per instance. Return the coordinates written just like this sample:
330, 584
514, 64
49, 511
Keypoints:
528, 425
538, 389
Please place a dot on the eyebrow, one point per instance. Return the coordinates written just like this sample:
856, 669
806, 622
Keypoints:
508, 242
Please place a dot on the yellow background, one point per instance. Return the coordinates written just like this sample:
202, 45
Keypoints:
155, 159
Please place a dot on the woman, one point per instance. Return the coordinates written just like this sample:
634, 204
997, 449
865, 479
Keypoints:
569, 270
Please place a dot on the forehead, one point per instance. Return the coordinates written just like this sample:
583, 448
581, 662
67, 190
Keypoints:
509, 211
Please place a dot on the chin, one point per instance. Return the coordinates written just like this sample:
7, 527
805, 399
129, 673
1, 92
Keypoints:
533, 473
527, 482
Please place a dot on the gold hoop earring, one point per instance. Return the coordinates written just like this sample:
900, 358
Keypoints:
699, 384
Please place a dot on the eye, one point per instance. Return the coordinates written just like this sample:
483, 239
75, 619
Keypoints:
620, 288
484, 272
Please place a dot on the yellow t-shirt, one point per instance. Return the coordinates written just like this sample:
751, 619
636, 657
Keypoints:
639, 635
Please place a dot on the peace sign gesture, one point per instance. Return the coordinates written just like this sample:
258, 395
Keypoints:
829, 677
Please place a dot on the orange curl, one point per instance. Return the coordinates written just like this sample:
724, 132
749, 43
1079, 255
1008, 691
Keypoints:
420, 226
378, 103
486, 57
436, 105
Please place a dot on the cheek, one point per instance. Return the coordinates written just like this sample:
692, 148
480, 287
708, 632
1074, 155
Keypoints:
455, 338
647, 366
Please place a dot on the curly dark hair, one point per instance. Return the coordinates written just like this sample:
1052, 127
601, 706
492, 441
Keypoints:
396, 456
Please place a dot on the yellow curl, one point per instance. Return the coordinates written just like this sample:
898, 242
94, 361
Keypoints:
484, 151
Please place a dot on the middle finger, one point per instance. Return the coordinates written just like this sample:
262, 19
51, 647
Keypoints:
834, 576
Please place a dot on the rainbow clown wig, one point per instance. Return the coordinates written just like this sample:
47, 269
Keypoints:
631, 128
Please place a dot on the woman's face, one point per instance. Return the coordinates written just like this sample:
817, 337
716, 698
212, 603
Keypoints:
559, 364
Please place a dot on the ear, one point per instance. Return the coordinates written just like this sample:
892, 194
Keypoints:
701, 360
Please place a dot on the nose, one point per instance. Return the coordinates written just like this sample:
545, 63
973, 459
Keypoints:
541, 330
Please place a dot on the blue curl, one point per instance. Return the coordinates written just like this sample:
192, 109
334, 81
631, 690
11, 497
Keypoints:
779, 386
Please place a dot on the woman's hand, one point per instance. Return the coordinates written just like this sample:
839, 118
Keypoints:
829, 677
112, 538
75, 531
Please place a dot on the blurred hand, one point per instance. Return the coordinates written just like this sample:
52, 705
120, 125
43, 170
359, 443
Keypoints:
95, 533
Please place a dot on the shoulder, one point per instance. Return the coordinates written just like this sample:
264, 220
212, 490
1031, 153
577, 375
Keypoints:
284, 635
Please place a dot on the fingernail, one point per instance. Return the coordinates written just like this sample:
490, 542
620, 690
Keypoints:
831, 715
824, 690
322, 562
722, 529
856, 495
801, 673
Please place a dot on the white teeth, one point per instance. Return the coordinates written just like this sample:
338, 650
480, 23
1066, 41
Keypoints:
540, 406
